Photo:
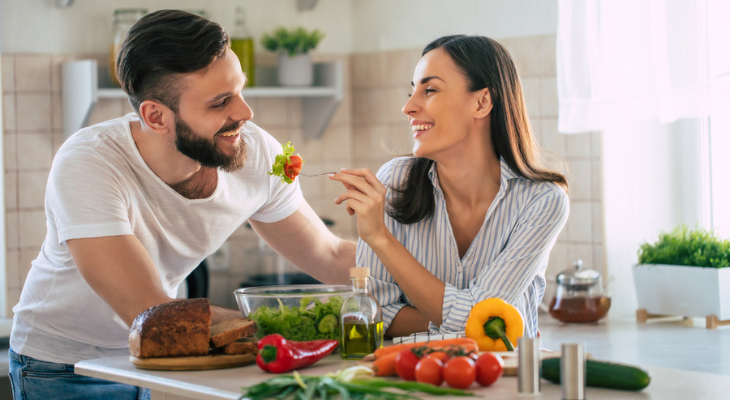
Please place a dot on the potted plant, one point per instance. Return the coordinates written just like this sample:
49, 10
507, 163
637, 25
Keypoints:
293, 46
686, 272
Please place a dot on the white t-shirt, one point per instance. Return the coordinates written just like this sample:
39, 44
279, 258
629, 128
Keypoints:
99, 185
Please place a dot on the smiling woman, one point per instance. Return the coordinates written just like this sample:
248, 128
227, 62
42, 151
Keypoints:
473, 215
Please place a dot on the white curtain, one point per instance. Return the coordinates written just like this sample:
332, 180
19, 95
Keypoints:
621, 62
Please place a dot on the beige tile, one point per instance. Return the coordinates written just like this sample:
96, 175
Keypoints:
563, 236
378, 73
12, 234
11, 190
598, 218
580, 226
294, 111
596, 144
311, 150
35, 150
361, 106
9, 116
32, 228
359, 71
599, 261
7, 64
57, 111
549, 97
33, 111
394, 100
12, 269
580, 179
582, 252
11, 299
126, 107
550, 139
379, 103
105, 110
33, 72
57, 61
10, 141
597, 180
577, 145
399, 66
548, 51
336, 143
57, 141
219, 290
531, 94
26, 261
344, 111
32, 189
525, 52
558, 260
399, 141
271, 112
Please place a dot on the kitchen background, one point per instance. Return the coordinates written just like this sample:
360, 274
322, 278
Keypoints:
378, 42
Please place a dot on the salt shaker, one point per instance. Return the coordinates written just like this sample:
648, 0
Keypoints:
528, 366
573, 371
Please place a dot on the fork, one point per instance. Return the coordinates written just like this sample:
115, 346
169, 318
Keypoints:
319, 174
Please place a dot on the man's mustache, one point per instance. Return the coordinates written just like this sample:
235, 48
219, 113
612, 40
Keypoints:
231, 127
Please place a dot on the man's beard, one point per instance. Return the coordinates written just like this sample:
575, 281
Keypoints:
206, 151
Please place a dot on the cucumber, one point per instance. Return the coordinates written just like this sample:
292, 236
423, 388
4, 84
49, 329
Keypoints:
602, 374
327, 323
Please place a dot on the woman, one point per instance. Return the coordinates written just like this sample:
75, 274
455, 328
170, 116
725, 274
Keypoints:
472, 215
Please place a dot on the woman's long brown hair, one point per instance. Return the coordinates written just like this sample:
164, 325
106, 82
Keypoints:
485, 64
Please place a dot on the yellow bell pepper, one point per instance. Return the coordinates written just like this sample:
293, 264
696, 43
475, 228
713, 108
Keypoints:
495, 325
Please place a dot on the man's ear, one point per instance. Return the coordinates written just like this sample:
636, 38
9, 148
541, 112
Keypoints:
484, 103
157, 116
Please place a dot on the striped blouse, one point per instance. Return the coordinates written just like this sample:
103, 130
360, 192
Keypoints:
507, 258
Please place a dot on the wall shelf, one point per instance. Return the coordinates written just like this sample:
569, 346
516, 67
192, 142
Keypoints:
81, 92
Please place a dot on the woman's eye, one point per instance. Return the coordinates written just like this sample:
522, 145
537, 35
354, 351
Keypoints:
430, 91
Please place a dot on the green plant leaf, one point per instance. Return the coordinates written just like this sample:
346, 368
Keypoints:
292, 41
687, 247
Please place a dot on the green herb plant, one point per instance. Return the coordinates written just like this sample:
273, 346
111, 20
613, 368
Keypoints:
292, 41
683, 246
298, 323
351, 383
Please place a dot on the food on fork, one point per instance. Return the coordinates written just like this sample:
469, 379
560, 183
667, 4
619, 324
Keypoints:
287, 165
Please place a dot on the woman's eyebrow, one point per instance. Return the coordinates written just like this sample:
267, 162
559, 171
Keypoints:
426, 79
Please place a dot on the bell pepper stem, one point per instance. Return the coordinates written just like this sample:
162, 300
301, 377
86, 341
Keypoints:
495, 329
268, 353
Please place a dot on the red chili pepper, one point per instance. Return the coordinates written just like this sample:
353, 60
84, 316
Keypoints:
277, 355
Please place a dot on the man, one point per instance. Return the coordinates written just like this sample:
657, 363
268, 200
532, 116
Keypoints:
134, 204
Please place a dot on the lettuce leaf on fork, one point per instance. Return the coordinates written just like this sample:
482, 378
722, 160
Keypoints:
281, 160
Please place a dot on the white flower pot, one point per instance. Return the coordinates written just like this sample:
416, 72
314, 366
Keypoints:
679, 290
295, 71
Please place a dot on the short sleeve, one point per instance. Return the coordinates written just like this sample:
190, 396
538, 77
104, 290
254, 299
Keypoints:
84, 197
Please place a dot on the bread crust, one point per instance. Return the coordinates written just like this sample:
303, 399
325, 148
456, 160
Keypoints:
231, 330
175, 329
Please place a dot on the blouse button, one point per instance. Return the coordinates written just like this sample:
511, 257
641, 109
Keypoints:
459, 269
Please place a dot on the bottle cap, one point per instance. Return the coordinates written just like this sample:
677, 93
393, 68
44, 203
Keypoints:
359, 272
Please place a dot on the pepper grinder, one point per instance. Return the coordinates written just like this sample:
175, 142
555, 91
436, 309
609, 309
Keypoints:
528, 366
573, 371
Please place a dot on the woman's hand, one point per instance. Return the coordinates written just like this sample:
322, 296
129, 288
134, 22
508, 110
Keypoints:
365, 197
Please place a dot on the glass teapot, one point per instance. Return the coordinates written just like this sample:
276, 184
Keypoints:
579, 295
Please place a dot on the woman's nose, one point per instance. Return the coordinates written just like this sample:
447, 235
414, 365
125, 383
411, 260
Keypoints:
410, 106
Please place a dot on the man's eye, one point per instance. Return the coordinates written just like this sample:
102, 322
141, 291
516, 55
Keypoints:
409, 95
221, 104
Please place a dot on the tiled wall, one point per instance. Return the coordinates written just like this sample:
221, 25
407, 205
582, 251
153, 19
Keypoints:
367, 130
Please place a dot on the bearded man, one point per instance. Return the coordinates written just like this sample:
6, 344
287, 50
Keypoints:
134, 204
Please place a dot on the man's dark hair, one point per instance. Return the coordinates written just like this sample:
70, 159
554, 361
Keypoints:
162, 45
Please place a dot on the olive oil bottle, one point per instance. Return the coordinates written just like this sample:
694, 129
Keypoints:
361, 319
242, 45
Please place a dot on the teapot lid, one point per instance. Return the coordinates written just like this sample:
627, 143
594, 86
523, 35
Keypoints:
578, 276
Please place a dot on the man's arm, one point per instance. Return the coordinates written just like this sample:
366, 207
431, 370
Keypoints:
303, 239
121, 272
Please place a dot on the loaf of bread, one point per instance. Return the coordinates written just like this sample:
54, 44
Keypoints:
174, 329
231, 330
247, 345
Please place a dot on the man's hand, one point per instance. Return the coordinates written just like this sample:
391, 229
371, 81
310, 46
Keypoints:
303, 239
121, 272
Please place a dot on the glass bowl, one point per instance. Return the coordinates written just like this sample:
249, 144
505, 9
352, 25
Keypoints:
297, 312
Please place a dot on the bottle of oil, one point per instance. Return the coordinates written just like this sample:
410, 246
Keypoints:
242, 45
361, 319
123, 21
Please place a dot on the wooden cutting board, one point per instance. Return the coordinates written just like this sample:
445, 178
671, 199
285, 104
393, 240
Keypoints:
219, 361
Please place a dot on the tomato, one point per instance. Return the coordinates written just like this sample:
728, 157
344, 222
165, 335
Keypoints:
292, 168
460, 372
430, 369
441, 355
405, 365
489, 368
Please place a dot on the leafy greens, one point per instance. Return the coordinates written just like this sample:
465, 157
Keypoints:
298, 323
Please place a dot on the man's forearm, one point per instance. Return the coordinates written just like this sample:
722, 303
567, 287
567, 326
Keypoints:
343, 259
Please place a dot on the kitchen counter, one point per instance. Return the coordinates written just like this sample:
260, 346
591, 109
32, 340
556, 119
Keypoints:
684, 362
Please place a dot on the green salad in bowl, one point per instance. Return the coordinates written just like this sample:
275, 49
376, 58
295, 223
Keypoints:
297, 312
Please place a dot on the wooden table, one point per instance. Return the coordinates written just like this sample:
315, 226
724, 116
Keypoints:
667, 383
